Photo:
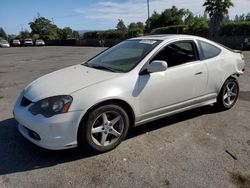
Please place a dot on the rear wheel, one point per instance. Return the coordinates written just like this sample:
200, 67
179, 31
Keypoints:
104, 129
228, 94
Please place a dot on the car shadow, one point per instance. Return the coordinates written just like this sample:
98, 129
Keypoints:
19, 155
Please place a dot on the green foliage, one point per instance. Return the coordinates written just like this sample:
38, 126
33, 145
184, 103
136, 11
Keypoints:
121, 26
236, 28
12, 37
135, 32
92, 34
24, 34
217, 10
66, 33
197, 26
76, 34
174, 29
114, 34
44, 28
242, 17
109, 34
3, 35
194, 25
168, 17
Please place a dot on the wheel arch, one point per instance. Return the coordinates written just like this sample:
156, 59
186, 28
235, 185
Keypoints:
127, 107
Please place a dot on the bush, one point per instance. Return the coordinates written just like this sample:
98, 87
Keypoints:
114, 34
109, 34
236, 28
175, 29
92, 34
135, 32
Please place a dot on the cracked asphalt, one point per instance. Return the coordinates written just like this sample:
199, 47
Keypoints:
197, 148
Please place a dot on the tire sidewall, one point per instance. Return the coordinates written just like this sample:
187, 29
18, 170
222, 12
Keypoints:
221, 99
86, 129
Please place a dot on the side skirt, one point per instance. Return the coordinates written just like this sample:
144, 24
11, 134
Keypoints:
169, 113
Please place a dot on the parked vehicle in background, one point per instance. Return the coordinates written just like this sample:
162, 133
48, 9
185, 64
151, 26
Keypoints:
16, 43
93, 104
4, 44
28, 42
40, 42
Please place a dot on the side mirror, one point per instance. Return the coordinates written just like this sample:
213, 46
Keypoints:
157, 66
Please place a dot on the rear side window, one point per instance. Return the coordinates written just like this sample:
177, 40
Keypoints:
208, 50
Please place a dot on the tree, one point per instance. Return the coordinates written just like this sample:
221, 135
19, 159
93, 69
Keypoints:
140, 25
247, 17
66, 33
135, 29
197, 25
3, 35
76, 34
121, 26
169, 17
24, 34
132, 25
217, 10
44, 28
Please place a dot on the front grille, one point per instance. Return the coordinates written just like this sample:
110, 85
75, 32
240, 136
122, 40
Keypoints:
25, 101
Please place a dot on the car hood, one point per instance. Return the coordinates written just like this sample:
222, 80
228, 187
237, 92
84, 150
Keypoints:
65, 82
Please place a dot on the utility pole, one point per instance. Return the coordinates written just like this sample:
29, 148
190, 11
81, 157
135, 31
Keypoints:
148, 21
148, 8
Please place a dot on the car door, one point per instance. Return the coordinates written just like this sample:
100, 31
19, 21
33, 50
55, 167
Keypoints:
185, 79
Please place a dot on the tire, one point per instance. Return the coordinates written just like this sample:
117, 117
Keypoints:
104, 129
230, 87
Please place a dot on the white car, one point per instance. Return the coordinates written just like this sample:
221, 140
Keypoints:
40, 42
28, 42
16, 43
93, 104
4, 44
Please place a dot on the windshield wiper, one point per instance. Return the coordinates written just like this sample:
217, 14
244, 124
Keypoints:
102, 68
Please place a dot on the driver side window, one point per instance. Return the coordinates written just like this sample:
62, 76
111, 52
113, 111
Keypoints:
177, 53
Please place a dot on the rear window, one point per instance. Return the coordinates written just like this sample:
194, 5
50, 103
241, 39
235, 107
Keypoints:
209, 50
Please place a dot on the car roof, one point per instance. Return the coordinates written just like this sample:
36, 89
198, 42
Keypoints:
166, 37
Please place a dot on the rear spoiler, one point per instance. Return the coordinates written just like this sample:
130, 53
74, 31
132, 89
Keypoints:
237, 51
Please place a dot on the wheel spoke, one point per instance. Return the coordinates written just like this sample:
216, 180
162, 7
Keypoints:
115, 132
225, 96
233, 94
228, 89
114, 121
104, 138
232, 87
104, 118
228, 100
97, 129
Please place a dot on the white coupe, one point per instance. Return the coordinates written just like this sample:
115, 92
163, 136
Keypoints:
92, 105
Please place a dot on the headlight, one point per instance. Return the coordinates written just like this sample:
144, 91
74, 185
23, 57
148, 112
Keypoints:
51, 106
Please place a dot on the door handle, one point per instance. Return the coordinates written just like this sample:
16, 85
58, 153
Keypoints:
198, 73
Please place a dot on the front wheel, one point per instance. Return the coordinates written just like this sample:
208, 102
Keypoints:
104, 129
228, 94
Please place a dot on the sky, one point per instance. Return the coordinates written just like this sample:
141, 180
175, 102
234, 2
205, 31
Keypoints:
93, 14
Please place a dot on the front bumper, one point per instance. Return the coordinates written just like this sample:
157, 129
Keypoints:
57, 132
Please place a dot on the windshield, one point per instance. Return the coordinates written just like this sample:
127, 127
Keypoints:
124, 56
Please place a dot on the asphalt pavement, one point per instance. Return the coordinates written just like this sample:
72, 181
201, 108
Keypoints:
197, 148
